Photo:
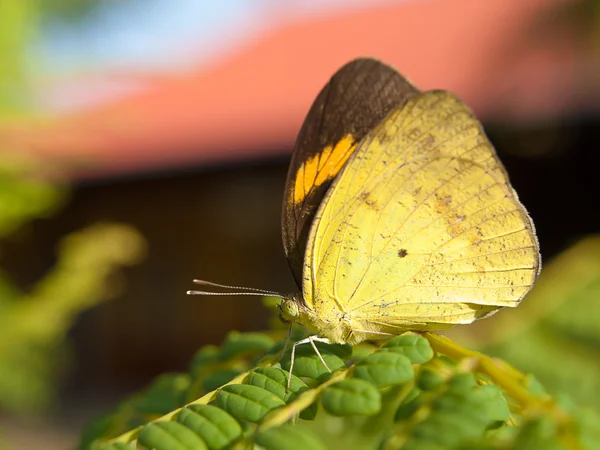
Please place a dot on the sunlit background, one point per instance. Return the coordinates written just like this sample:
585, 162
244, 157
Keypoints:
144, 143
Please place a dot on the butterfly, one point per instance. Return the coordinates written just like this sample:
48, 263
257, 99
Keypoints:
397, 213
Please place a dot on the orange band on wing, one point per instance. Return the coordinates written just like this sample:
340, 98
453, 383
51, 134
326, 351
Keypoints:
322, 167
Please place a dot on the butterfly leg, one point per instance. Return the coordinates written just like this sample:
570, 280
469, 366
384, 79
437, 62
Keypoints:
312, 340
287, 342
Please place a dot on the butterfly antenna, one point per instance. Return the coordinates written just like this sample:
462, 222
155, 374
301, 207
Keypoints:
242, 290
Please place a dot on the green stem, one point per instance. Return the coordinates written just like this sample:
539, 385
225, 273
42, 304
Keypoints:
500, 372
130, 435
303, 401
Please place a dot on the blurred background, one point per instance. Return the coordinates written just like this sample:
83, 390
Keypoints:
145, 143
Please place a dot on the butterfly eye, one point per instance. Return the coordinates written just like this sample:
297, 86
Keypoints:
288, 310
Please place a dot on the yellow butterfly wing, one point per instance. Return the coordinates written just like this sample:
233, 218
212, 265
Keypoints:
421, 230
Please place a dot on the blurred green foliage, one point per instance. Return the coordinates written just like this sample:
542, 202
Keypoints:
555, 333
34, 324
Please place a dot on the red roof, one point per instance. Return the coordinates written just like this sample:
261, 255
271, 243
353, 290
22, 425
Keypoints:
253, 100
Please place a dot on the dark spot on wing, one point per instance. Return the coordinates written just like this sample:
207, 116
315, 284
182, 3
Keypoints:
402, 252
368, 200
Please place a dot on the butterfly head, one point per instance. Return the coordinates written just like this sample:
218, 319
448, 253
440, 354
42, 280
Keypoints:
289, 309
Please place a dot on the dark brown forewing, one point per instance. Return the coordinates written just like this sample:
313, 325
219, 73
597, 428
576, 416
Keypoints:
357, 98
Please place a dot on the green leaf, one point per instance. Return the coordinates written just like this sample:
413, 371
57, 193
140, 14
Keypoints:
533, 385
288, 437
462, 382
164, 435
219, 378
307, 363
312, 367
460, 415
492, 401
413, 346
217, 428
385, 369
310, 413
165, 394
448, 428
351, 397
565, 402
429, 379
409, 406
202, 358
275, 380
444, 429
238, 344
537, 434
360, 352
98, 428
342, 351
246, 402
